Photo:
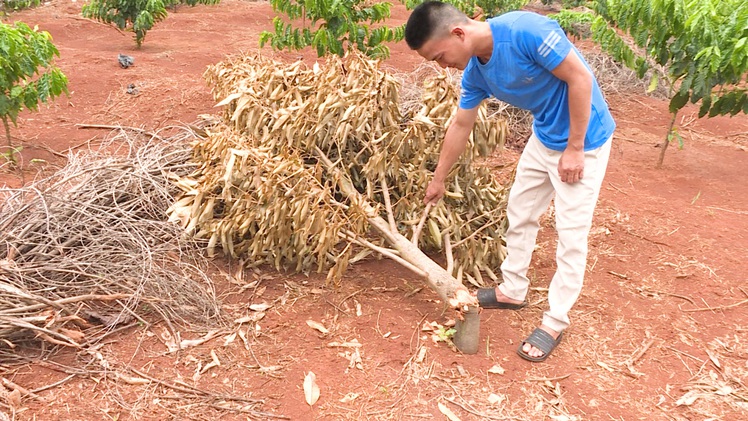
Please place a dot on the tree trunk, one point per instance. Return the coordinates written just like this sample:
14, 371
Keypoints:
452, 292
668, 138
11, 156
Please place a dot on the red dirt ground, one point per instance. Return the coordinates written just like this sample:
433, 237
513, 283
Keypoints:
658, 333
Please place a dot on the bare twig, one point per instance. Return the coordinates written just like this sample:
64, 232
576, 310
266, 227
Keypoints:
388, 204
547, 379
114, 127
716, 308
417, 232
448, 253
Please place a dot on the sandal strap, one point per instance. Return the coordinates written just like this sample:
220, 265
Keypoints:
486, 295
542, 340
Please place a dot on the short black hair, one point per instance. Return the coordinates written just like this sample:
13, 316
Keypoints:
428, 20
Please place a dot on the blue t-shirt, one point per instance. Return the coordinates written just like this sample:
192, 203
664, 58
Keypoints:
527, 47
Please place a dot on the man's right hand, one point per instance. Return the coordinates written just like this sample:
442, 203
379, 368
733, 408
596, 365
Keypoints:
434, 192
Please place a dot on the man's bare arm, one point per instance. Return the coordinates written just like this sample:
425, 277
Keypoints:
454, 143
579, 79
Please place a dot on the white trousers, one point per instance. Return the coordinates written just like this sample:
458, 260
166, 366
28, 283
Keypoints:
535, 183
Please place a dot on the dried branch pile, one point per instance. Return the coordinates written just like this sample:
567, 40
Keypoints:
91, 245
262, 191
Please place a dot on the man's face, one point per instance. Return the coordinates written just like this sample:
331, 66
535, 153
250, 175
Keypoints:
447, 51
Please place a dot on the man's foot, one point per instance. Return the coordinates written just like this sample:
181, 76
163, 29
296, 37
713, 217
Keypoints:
539, 345
493, 298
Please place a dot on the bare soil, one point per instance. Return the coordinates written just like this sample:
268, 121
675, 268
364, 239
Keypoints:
660, 331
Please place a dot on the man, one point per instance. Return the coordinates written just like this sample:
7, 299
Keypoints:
525, 59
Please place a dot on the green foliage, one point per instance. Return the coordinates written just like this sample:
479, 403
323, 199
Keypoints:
138, 16
568, 4
27, 75
490, 8
702, 43
573, 22
335, 26
9, 5
8, 156
175, 3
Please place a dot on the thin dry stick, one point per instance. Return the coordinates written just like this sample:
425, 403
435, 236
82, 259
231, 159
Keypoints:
547, 379
60, 302
388, 204
110, 127
716, 308
482, 415
728, 210
640, 353
417, 232
683, 297
392, 254
459, 243
448, 253
194, 390
53, 385
22, 390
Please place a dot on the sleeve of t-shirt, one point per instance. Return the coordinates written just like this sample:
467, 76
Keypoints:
471, 94
542, 40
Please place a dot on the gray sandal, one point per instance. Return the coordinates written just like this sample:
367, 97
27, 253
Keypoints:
541, 340
487, 299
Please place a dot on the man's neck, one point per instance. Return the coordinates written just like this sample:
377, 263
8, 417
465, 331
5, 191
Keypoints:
484, 41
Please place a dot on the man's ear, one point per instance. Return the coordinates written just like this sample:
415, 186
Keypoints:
459, 32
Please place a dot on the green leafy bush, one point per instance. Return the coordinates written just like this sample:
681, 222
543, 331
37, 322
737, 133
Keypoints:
702, 44
490, 8
138, 16
27, 75
10, 5
334, 26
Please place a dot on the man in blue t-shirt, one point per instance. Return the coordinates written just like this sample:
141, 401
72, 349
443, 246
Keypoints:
526, 60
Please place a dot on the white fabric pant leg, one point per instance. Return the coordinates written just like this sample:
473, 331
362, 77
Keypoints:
529, 197
535, 183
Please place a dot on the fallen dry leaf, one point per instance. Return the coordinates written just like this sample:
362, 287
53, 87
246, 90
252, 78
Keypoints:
318, 326
132, 380
495, 399
354, 343
311, 390
349, 397
421, 354
688, 399
497, 369
259, 307
229, 339
448, 412
14, 399
252, 317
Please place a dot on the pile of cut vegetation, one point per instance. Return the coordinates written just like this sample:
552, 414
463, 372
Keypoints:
90, 249
304, 156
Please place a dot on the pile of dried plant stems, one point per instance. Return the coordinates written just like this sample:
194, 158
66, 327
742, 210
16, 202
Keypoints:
263, 191
91, 246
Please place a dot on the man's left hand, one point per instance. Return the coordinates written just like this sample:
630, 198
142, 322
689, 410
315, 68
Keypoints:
571, 166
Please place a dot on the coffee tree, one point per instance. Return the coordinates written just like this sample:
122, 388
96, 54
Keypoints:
138, 16
27, 75
702, 44
332, 27
486, 8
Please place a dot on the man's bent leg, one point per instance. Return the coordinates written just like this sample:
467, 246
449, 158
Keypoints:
528, 199
575, 206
